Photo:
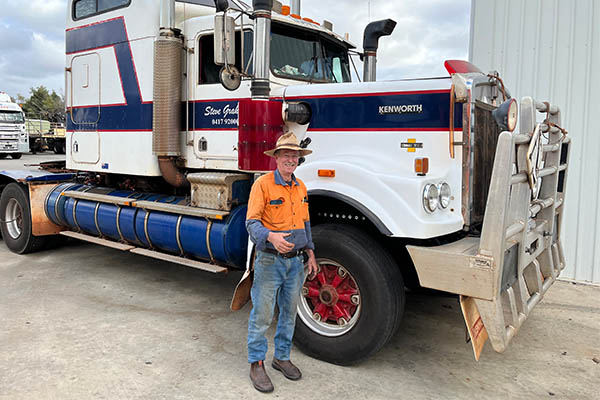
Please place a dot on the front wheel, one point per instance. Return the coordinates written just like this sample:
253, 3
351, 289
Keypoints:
16, 156
3, 155
15, 220
354, 305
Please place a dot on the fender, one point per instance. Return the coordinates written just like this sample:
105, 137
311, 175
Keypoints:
39, 184
391, 202
348, 200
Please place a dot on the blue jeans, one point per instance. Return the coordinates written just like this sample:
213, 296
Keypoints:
275, 279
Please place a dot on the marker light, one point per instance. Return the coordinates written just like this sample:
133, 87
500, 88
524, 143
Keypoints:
506, 115
445, 194
295, 16
460, 67
310, 20
422, 166
430, 198
285, 10
326, 173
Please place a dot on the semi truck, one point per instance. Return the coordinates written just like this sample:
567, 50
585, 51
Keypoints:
45, 135
445, 183
13, 136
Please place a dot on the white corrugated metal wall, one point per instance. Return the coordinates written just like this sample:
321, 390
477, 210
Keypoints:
550, 49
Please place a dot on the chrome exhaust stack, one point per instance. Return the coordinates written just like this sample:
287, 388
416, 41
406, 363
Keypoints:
260, 88
295, 7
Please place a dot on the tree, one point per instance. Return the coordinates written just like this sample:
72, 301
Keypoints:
43, 105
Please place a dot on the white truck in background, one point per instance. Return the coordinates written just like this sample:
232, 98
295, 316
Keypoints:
13, 136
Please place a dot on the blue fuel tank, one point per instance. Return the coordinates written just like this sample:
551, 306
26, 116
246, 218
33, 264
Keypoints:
224, 241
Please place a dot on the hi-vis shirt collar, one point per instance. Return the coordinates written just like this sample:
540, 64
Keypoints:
279, 179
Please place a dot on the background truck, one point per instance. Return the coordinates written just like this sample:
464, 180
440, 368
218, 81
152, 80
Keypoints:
412, 183
13, 137
45, 135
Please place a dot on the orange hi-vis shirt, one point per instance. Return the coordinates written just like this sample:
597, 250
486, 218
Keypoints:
276, 206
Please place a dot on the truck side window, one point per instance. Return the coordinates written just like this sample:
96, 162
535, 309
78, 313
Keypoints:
87, 8
209, 71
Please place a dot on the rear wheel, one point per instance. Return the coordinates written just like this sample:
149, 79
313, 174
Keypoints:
354, 305
16, 156
15, 220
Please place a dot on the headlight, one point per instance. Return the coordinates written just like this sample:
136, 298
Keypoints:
430, 197
506, 115
445, 194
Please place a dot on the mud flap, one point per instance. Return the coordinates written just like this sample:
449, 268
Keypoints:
475, 327
241, 295
40, 223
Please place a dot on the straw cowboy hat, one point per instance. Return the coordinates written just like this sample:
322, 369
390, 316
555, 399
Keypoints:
288, 141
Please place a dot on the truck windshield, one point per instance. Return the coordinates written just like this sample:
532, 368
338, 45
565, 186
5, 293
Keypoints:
12, 117
305, 55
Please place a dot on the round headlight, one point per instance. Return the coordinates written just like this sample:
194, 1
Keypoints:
511, 120
430, 197
445, 194
506, 115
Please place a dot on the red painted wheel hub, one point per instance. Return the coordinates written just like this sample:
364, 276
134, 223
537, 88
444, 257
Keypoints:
332, 295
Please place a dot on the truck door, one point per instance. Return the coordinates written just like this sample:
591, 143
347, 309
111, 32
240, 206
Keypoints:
84, 87
214, 109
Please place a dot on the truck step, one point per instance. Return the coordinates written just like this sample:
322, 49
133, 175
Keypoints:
145, 252
179, 260
96, 240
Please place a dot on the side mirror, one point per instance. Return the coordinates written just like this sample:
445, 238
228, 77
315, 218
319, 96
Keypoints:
224, 39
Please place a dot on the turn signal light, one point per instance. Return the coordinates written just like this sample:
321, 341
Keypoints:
326, 173
285, 10
310, 20
422, 166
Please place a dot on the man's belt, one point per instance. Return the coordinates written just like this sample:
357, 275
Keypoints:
291, 254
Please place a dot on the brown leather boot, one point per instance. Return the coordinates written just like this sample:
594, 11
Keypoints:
259, 377
288, 369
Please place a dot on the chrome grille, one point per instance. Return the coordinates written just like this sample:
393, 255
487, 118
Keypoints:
484, 142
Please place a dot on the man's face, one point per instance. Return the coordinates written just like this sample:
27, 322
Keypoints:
287, 161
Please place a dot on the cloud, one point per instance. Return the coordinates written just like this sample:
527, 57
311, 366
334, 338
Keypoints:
427, 33
32, 45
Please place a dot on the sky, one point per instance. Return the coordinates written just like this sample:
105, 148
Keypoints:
32, 35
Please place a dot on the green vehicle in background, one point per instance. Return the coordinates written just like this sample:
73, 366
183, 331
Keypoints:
45, 135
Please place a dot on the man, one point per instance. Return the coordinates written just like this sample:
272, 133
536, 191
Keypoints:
278, 223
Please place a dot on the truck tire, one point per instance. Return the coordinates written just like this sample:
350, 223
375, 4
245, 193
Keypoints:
16, 156
358, 280
3, 156
15, 220
58, 147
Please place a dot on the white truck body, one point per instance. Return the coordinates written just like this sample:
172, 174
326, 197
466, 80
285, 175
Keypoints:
13, 136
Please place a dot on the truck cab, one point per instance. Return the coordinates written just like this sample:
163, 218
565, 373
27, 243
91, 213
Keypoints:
13, 136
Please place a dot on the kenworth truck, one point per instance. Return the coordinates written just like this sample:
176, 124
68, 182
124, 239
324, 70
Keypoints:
412, 183
13, 136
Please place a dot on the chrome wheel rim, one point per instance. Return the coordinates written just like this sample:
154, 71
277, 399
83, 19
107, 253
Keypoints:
330, 304
13, 218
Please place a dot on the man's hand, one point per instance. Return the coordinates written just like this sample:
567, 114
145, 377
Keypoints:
312, 264
279, 242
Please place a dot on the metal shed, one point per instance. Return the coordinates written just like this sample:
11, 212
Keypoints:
550, 49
